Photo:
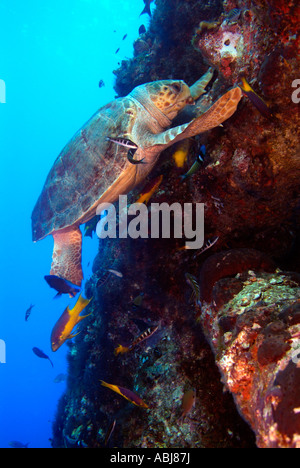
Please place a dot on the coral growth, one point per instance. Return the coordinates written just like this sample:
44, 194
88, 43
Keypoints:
256, 349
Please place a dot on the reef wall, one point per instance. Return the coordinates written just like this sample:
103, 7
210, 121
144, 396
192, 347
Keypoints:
238, 351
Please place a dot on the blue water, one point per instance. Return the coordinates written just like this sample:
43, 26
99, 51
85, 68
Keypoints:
52, 56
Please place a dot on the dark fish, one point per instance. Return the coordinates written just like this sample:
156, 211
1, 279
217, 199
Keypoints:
90, 226
132, 147
142, 29
60, 378
192, 282
28, 312
197, 164
109, 432
62, 285
130, 155
117, 50
18, 445
137, 302
147, 7
124, 37
144, 336
101, 84
256, 100
127, 394
39, 353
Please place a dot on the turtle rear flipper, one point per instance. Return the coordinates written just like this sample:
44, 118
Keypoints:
66, 258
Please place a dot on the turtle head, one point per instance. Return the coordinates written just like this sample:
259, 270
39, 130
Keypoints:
169, 96
164, 98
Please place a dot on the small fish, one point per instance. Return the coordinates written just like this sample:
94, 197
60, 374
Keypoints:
116, 273
124, 37
233, 15
142, 29
62, 285
101, 281
123, 142
257, 101
60, 378
137, 302
90, 226
109, 432
132, 147
117, 50
127, 394
144, 336
188, 402
196, 164
17, 445
101, 84
28, 312
181, 152
149, 190
147, 8
207, 245
39, 353
130, 158
192, 282
62, 330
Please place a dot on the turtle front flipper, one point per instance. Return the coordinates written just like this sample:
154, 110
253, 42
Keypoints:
198, 88
214, 116
66, 258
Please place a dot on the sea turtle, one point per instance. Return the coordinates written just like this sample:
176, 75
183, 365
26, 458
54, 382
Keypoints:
92, 169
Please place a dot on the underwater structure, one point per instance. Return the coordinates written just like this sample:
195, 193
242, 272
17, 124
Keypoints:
208, 340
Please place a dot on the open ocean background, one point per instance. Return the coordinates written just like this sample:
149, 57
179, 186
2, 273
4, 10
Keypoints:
52, 56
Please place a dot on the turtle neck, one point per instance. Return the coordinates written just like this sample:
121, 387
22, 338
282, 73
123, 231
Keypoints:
140, 95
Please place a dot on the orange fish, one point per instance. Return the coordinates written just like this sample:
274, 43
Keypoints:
62, 330
150, 189
188, 401
127, 394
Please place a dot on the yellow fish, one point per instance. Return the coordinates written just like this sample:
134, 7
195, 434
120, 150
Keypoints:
150, 189
62, 330
181, 153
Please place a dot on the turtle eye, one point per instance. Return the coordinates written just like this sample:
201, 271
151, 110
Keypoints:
176, 87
